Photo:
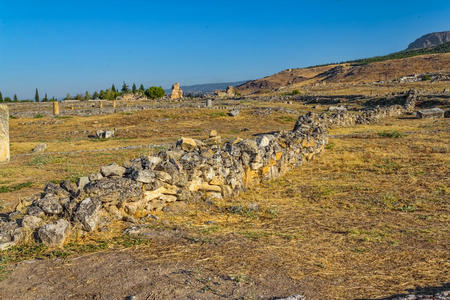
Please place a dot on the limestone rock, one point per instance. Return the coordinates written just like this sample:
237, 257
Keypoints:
112, 170
104, 134
144, 176
177, 93
187, 144
41, 147
50, 204
4, 133
430, 113
230, 91
31, 222
234, 112
81, 182
87, 213
54, 235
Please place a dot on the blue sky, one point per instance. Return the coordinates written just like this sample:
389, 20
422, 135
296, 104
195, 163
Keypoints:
73, 46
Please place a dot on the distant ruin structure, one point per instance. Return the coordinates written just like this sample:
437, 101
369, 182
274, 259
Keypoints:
4, 133
177, 92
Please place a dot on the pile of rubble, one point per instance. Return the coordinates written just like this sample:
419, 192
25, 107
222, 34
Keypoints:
190, 169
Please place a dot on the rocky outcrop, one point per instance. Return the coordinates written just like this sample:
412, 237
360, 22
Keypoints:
177, 93
4, 133
190, 169
430, 40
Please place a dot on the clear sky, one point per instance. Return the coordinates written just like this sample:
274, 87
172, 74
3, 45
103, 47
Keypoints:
73, 46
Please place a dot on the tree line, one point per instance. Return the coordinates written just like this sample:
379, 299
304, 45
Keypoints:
153, 92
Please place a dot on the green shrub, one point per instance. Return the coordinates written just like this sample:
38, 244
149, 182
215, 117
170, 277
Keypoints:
155, 92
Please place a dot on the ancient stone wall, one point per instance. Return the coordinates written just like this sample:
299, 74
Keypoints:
4, 133
190, 169
177, 93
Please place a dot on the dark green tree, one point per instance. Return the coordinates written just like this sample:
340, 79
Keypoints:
125, 88
155, 92
95, 95
87, 96
141, 88
7, 99
113, 88
15, 98
68, 97
1, 97
36, 96
133, 88
45, 99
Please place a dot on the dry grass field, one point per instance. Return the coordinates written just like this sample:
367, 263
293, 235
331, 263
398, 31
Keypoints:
366, 220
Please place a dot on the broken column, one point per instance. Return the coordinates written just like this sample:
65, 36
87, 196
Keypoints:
209, 103
177, 93
4, 133
55, 108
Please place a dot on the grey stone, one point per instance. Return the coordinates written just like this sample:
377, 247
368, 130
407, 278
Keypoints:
234, 112
104, 134
50, 204
81, 182
35, 211
294, 297
41, 147
31, 222
112, 170
144, 176
430, 113
87, 213
95, 176
54, 235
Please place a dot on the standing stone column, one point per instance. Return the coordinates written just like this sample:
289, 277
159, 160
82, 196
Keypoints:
55, 108
209, 103
114, 103
4, 133
101, 105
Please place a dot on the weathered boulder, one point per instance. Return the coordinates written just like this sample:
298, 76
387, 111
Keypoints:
87, 213
54, 234
50, 204
114, 189
104, 134
177, 93
447, 113
41, 147
230, 91
187, 144
112, 170
31, 222
234, 112
144, 176
4, 133
430, 113
82, 181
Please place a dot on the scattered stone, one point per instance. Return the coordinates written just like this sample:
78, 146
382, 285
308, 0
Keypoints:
31, 222
81, 182
187, 144
430, 113
41, 147
234, 112
113, 170
144, 176
104, 134
88, 213
95, 176
337, 108
447, 113
294, 297
50, 204
212, 133
54, 234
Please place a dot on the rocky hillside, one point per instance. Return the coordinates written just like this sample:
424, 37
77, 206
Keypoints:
430, 40
380, 68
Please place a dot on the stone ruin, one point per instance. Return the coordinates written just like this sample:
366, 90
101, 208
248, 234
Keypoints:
229, 92
177, 92
190, 169
4, 133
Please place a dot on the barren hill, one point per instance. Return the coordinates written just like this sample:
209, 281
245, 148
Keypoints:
350, 73
430, 40
369, 70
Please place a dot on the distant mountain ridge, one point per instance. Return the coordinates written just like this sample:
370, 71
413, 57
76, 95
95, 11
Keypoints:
206, 88
430, 40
